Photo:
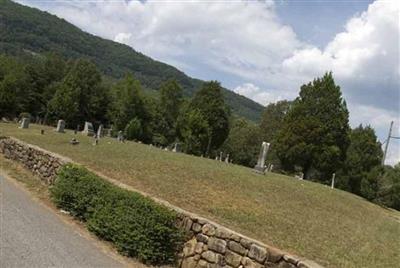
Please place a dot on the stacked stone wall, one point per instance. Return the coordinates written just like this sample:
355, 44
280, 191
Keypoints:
212, 245
40, 162
209, 245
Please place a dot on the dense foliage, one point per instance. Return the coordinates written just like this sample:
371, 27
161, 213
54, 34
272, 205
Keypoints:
25, 30
243, 142
135, 224
363, 155
389, 187
209, 102
87, 78
315, 132
270, 125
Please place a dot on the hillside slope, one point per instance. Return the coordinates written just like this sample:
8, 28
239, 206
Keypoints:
24, 29
329, 226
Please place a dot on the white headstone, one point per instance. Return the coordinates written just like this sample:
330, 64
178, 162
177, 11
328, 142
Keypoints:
271, 167
260, 167
60, 126
120, 136
227, 159
333, 181
176, 148
100, 131
25, 122
88, 129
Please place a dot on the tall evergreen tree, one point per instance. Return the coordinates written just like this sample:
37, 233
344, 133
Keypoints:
210, 102
362, 156
315, 132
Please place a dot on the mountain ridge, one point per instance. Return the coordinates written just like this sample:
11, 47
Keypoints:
24, 28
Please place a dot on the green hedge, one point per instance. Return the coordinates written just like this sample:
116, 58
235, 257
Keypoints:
137, 225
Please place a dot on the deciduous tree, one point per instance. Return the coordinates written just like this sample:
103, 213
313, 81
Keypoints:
209, 101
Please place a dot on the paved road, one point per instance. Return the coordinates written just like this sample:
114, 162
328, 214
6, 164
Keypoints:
33, 236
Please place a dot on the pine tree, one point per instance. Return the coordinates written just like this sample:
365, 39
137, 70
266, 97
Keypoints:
362, 156
315, 132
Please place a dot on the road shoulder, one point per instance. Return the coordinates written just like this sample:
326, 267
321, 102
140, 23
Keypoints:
27, 182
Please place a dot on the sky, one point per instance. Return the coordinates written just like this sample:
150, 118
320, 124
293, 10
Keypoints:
266, 49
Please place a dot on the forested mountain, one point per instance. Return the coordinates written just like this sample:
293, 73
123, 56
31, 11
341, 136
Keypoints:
29, 30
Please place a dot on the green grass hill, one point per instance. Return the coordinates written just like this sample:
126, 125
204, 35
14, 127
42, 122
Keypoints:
329, 226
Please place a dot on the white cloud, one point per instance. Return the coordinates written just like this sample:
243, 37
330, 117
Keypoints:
123, 38
245, 42
380, 119
255, 93
364, 58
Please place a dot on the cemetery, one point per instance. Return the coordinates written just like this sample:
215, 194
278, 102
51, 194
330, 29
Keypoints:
301, 217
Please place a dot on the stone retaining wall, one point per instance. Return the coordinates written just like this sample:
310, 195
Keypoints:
209, 244
45, 164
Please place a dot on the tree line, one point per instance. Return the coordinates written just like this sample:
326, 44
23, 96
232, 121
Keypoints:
310, 134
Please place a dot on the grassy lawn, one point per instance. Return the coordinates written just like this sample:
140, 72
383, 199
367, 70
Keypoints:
332, 227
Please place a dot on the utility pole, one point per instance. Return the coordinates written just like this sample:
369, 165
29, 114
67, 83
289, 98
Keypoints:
387, 143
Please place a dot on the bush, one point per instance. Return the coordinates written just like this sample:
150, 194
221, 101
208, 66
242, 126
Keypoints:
134, 131
78, 191
137, 225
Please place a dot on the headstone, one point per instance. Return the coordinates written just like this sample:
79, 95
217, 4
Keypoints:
333, 181
216, 158
300, 176
227, 159
25, 123
42, 131
270, 167
88, 130
220, 156
176, 148
260, 167
100, 131
120, 136
60, 126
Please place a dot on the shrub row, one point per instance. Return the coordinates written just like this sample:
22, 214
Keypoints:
138, 226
